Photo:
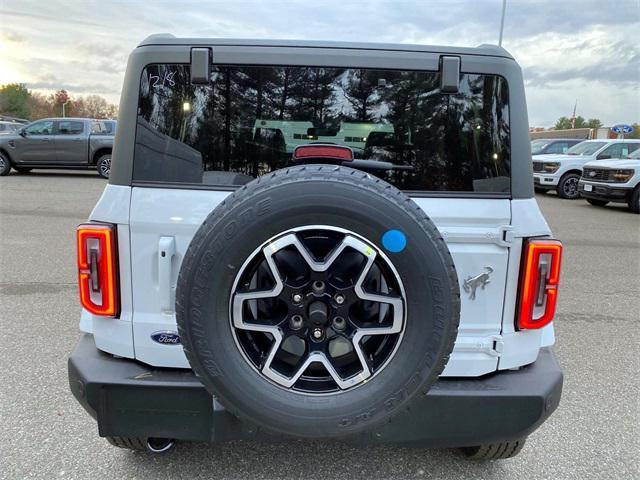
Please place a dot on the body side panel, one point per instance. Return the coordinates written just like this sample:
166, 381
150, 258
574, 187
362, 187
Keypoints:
522, 347
115, 335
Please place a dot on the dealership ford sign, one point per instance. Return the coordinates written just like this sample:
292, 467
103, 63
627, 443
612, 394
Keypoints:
622, 129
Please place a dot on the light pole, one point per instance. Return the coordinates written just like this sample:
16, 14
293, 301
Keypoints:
504, 10
63, 111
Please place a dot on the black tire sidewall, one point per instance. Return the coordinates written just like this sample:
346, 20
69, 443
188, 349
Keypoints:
634, 202
223, 244
597, 203
562, 182
6, 168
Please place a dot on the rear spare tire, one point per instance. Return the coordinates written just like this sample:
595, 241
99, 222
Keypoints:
317, 301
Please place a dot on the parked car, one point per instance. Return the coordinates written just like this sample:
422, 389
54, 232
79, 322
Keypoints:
57, 143
615, 181
551, 146
12, 119
233, 292
562, 172
8, 127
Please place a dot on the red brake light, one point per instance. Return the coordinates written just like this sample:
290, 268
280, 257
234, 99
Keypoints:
333, 152
97, 269
539, 279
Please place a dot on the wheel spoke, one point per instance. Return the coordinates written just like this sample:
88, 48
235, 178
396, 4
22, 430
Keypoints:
310, 297
395, 301
240, 298
315, 357
398, 315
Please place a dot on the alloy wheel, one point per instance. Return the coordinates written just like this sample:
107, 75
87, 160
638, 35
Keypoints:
570, 187
318, 310
105, 167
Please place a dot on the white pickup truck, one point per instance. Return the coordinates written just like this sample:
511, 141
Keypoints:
400, 293
616, 181
562, 172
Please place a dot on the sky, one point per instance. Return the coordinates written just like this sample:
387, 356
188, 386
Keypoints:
584, 51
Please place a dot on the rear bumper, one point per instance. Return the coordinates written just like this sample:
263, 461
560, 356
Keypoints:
600, 191
133, 400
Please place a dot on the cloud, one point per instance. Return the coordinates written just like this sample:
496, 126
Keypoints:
75, 88
10, 36
584, 49
608, 72
38, 16
598, 58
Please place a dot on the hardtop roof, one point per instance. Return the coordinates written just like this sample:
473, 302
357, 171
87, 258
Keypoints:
170, 40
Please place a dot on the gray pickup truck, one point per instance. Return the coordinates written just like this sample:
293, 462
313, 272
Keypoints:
59, 143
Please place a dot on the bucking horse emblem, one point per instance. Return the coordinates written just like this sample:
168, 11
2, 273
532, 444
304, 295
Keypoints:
471, 284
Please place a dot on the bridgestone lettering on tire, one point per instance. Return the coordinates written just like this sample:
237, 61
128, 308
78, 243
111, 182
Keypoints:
317, 301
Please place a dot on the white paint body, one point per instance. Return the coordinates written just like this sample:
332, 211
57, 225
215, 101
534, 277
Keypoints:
480, 233
575, 163
625, 164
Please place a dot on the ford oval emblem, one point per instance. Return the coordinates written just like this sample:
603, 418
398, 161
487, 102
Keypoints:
166, 337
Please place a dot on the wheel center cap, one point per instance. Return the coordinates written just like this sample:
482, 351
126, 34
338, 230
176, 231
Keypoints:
318, 313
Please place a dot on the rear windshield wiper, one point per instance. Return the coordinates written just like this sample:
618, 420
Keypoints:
362, 164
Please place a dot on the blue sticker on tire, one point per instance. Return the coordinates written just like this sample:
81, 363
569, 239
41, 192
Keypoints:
394, 241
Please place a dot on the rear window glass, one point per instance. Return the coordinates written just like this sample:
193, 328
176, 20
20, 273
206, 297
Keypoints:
248, 120
8, 127
103, 128
70, 128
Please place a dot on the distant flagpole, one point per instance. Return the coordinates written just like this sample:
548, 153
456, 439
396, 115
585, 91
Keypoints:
504, 10
573, 117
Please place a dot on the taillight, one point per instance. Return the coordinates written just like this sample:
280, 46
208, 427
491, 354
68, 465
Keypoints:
539, 279
97, 269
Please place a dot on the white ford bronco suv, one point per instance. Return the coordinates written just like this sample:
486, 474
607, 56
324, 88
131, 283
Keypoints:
399, 292
562, 172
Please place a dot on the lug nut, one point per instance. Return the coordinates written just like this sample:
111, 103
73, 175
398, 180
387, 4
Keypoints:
296, 322
339, 323
339, 298
318, 286
297, 298
317, 333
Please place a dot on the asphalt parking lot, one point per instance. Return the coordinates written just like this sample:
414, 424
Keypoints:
44, 433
